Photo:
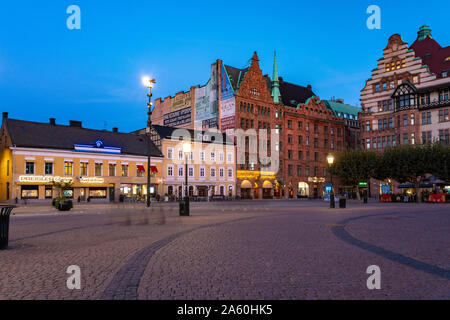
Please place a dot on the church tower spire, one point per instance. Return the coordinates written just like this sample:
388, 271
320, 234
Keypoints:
275, 81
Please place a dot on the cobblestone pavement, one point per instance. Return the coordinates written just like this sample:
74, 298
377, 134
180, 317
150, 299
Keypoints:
232, 250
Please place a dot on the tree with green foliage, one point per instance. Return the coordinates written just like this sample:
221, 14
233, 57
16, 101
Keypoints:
354, 166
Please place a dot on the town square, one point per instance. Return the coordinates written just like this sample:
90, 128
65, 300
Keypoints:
251, 151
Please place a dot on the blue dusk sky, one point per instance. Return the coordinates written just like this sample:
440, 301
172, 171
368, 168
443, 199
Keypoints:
94, 74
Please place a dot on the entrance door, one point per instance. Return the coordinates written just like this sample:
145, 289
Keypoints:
316, 192
111, 194
245, 193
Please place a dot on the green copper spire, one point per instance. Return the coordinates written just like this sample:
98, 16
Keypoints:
424, 32
275, 81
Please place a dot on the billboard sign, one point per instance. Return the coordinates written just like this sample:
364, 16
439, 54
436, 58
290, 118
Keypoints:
181, 101
178, 118
206, 104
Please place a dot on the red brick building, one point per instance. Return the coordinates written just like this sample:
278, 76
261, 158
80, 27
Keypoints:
250, 101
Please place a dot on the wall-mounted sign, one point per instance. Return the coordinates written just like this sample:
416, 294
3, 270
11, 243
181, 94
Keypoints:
181, 101
92, 180
58, 179
316, 180
362, 184
228, 114
98, 147
226, 90
206, 104
210, 123
178, 118
44, 179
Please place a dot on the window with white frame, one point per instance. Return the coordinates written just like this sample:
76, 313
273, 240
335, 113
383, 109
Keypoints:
213, 156
221, 157
230, 157
202, 172
202, 155
170, 171
221, 172
180, 171
230, 173
180, 154
169, 153
213, 172
191, 172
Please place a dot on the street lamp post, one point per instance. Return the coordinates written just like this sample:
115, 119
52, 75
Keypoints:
187, 151
330, 160
149, 84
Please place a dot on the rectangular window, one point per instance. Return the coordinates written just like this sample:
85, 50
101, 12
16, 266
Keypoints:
316, 156
316, 143
299, 171
202, 172
300, 155
289, 139
98, 169
290, 170
405, 138
191, 172
180, 171
48, 168
230, 157
316, 128
68, 168
213, 156
213, 172
29, 167
405, 120
169, 153
230, 173
124, 170
300, 125
170, 171
307, 171
289, 124
112, 170
83, 168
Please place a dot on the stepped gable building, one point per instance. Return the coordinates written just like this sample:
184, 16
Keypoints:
99, 165
407, 99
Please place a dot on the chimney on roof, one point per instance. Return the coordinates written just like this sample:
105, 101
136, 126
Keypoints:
52, 121
309, 87
340, 100
115, 129
5, 115
74, 123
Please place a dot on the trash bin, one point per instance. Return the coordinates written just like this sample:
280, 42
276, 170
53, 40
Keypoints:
184, 208
5, 212
342, 203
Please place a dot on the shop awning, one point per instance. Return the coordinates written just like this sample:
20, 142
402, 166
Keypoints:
141, 168
153, 169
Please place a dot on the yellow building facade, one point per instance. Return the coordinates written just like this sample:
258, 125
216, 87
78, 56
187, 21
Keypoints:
90, 171
211, 167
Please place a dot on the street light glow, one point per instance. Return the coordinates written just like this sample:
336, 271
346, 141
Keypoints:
187, 147
146, 81
330, 159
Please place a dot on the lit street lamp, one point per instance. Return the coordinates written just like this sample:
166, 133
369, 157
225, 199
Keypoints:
187, 151
146, 81
330, 159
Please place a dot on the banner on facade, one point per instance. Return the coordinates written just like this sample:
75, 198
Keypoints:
178, 118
